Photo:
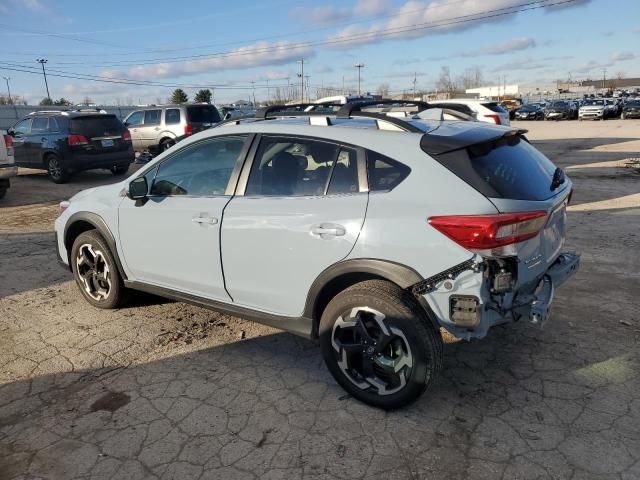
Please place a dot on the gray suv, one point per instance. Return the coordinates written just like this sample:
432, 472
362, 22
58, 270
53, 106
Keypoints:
158, 127
365, 231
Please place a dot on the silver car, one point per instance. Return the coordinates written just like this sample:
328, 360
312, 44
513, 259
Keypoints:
365, 231
157, 127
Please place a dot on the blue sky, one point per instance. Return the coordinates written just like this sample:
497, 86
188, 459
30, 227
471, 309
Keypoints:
232, 44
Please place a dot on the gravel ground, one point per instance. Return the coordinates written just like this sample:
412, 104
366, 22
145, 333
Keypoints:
166, 390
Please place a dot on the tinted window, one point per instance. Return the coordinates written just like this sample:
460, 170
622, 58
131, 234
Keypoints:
40, 125
507, 168
291, 167
152, 117
203, 114
53, 125
344, 177
22, 127
98, 126
135, 118
494, 107
383, 172
203, 169
457, 107
172, 116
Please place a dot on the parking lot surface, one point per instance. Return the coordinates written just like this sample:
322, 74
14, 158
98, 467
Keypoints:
171, 391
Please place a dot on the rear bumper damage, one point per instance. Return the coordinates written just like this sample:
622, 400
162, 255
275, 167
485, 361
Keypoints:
464, 301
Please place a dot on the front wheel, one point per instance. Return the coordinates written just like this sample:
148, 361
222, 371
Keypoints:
95, 271
379, 345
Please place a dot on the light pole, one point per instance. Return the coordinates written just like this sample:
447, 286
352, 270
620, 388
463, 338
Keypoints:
301, 75
359, 66
42, 61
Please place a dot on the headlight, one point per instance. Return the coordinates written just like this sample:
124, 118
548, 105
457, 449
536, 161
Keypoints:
62, 206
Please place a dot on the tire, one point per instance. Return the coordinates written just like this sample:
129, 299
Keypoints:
400, 364
166, 144
120, 169
56, 171
3, 192
95, 271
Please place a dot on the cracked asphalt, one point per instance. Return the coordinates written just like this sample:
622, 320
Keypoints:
163, 390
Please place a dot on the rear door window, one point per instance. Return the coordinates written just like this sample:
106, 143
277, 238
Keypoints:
172, 116
384, 173
344, 176
506, 168
202, 114
53, 125
39, 125
152, 117
96, 126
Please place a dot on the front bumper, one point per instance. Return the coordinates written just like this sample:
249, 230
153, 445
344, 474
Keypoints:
593, 114
8, 171
470, 287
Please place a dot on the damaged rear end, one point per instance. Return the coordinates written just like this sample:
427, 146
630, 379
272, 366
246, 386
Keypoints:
516, 255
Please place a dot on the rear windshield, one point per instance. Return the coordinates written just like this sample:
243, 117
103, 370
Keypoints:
96, 126
203, 114
507, 168
494, 107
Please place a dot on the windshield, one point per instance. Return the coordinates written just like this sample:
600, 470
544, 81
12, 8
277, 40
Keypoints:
634, 103
96, 126
594, 102
559, 104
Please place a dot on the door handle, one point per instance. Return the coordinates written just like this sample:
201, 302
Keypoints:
205, 220
328, 230
157, 128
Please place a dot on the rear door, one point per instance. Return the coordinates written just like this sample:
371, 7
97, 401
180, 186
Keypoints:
148, 132
301, 211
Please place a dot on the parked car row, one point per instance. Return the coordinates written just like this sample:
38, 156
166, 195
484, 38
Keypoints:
586, 109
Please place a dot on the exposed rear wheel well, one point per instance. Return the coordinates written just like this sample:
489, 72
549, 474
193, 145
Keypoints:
334, 287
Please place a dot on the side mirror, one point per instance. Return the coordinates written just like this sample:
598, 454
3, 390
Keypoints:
11, 131
138, 188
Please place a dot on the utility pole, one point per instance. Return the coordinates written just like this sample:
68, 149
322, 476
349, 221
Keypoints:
6, 79
253, 90
42, 61
604, 77
342, 84
268, 93
308, 89
301, 75
359, 66
415, 79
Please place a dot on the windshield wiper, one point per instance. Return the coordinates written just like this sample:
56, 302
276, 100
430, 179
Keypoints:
558, 178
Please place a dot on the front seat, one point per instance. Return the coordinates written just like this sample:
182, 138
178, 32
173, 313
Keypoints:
286, 168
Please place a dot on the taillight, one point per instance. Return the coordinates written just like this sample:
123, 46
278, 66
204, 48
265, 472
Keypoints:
188, 129
487, 232
126, 136
495, 118
77, 140
8, 141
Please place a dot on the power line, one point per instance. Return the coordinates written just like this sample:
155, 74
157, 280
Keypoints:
469, 18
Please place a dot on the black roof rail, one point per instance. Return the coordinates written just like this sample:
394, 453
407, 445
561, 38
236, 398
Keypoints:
348, 108
265, 112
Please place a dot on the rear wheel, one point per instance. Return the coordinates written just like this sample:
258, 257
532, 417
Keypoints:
95, 271
120, 169
379, 345
56, 171
166, 144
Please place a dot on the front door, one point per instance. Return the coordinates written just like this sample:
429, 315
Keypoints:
20, 132
134, 123
301, 212
171, 240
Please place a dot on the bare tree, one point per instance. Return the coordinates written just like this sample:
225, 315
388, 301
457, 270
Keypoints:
472, 77
445, 81
383, 90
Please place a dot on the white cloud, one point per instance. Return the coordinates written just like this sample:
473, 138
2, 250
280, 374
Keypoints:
370, 8
323, 69
257, 55
419, 18
513, 45
622, 56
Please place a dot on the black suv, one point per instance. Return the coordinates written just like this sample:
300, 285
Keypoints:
63, 142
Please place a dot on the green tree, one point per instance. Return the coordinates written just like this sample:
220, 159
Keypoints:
203, 96
63, 102
179, 96
46, 102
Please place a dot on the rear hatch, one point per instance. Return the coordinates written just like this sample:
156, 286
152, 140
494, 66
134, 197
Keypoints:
103, 134
201, 117
517, 178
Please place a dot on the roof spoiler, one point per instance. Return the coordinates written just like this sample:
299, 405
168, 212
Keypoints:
435, 144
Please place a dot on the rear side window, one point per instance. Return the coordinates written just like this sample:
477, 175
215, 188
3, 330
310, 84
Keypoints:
53, 125
172, 116
494, 107
203, 114
507, 168
384, 173
96, 126
40, 125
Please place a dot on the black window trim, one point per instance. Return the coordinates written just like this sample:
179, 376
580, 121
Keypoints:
363, 186
233, 179
387, 190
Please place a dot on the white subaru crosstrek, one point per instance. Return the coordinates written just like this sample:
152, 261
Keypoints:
365, 231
